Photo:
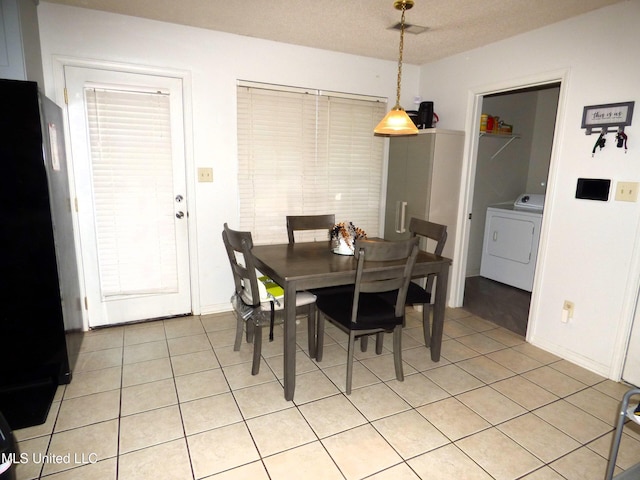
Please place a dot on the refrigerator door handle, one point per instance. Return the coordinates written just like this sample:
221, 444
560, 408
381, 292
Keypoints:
401, 212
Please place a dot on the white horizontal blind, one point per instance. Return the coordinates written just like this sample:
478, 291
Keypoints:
131, 161
354, 161
306, 153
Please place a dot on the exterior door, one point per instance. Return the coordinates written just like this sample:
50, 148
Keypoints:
127, 146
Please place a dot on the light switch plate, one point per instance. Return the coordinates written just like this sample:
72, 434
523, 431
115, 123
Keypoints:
205, 174
627, 192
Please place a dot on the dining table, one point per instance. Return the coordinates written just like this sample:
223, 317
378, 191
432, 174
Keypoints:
309, 265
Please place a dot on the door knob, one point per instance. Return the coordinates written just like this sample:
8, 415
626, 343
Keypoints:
179, 214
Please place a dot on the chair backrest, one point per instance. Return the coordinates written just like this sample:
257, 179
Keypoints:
379, 280
433, 231
309, 222
238, 246
430, 231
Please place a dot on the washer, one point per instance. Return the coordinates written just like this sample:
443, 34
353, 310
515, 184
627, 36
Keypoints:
511, 238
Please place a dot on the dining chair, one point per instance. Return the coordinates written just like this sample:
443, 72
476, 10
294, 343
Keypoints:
315, 222
309, 222
416, 294
251, 299
363, 312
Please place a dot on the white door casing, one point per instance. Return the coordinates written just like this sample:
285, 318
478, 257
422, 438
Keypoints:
154, 232
631, 368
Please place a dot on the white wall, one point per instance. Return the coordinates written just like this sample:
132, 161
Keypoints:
20, 52
589, 253
214, 62
542, 141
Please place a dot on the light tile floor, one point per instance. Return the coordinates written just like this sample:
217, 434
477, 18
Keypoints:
172, 400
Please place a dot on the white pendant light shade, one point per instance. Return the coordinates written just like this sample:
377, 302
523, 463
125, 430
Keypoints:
396, 122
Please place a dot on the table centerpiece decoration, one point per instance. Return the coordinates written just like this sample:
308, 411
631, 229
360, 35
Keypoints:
344, 236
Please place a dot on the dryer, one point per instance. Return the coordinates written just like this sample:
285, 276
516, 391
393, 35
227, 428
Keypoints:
511, 239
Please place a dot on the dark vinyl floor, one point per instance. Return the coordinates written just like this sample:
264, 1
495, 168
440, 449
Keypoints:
502, 304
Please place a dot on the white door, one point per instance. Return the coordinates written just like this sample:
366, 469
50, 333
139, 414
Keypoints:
127, 146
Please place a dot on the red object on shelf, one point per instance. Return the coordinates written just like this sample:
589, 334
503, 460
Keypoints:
490, 124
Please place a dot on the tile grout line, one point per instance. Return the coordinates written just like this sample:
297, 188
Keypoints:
553, 364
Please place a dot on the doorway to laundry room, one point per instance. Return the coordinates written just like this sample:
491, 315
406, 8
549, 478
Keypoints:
512, 166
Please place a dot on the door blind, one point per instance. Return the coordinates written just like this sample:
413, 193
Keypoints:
131, 162
306, 153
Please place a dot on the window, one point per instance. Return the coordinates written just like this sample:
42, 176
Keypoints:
305, 152
132, 174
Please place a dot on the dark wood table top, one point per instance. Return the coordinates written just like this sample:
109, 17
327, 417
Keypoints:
314, 265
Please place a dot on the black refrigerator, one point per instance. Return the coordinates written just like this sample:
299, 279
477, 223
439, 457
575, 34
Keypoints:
40, 302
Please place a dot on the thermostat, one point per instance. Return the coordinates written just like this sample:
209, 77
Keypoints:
593, 189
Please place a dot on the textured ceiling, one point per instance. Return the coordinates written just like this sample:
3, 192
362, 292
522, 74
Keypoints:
360, 27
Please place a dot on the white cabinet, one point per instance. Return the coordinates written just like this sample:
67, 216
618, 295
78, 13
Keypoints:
423, 181
20, 55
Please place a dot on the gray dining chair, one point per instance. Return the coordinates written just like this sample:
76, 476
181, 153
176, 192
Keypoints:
416, 294
315, 222
251, 300
362, 312
300, 223
309, 222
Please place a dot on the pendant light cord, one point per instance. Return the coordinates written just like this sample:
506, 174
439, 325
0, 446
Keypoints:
404, 8
396, 121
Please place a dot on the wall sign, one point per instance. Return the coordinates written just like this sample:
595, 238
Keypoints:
607, 115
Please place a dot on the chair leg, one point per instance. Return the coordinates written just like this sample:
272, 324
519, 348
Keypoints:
397, 352
364, 343
239, 330
379, 342
257, 349
319, 336
426, 325
272, 321
350, 349
311, 329
250, 331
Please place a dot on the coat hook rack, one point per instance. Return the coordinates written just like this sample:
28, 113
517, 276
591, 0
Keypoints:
621, 138
604, 130
608, 118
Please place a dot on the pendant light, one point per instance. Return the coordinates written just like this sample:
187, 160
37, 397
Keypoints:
397, 122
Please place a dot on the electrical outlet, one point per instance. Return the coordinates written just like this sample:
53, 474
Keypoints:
567, 311
568, 306
205, 174
627, 192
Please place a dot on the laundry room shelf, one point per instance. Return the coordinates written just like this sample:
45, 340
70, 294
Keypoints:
509, 138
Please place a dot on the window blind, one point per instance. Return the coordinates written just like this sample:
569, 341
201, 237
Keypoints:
131, 162
304, 152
